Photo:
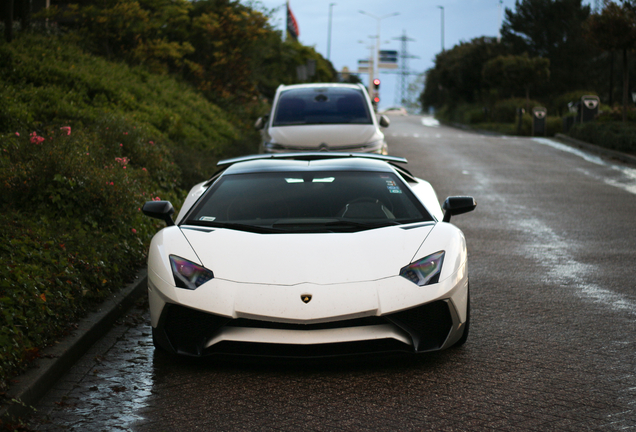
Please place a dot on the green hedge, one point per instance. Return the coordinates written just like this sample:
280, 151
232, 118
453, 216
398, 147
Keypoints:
71, 228
613, 135
49, 80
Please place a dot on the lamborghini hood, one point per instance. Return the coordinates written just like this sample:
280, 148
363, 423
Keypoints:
290, 259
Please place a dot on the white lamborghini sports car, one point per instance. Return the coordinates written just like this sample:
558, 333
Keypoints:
309, 255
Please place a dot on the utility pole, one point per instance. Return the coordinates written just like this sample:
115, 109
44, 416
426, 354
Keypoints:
442, 9
376, 59
500, 23
331, 5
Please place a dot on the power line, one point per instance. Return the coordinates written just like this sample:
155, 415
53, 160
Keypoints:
404, 72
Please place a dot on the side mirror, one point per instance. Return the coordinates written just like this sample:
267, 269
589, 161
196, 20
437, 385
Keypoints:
260, 122
384, 121
458, 205
159, 210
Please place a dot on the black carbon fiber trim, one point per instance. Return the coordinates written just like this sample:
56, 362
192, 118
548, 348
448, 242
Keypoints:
187, 331
429, 325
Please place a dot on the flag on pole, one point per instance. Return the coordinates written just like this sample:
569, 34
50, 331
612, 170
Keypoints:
292, 25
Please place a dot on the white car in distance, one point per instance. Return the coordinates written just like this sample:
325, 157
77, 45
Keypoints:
332, 117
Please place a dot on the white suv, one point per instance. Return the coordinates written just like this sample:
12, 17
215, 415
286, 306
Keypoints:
322, 117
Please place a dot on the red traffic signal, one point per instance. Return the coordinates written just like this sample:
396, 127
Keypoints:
376, 99
376, 83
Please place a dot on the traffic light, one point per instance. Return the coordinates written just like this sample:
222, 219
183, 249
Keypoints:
376, 83
376, 98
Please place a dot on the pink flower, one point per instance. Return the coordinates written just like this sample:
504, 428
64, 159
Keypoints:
125, 133
112, 183
121, 145
17, 134
66, 129
134, 231
35, 139
144, 169
148, 141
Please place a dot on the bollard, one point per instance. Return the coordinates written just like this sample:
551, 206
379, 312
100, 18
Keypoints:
539, 121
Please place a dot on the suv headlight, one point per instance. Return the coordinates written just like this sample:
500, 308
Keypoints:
425, 271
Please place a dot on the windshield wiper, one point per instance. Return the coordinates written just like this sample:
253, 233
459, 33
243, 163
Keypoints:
367, 225
259, 229
310, 225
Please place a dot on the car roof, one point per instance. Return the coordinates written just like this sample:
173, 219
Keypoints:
306, 161
319, 85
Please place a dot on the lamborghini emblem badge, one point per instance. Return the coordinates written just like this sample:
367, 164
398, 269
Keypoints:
306, 298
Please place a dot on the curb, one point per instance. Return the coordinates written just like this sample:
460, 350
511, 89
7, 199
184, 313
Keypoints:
623, 157
58, 359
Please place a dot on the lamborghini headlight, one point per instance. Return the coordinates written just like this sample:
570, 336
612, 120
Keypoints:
425, 271
187, 274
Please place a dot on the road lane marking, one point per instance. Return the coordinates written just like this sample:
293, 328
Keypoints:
627, 183
553, 253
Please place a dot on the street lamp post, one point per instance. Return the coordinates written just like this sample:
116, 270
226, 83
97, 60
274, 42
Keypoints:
376, 62
442, 9
331, 5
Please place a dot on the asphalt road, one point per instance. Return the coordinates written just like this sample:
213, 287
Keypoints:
552, 256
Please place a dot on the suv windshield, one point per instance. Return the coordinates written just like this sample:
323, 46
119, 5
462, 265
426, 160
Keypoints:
322, 105
308, 202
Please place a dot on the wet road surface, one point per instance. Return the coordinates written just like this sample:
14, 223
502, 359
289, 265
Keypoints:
552, 259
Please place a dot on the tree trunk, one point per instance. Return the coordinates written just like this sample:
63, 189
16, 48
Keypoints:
611, 80
7, 13
625, 84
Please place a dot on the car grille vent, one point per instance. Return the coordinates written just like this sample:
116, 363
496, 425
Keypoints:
188, 329
428, 325
359, 322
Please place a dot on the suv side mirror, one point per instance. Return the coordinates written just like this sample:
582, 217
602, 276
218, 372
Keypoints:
159, 210
384, 121
457, 205
260, 122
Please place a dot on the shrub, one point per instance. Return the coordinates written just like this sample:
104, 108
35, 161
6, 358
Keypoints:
615, 114
505, 111
617, 136
52, 81
71, 229
560, 104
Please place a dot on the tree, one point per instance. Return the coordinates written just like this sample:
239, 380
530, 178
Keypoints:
552, 29
513, 74
614, 29
227, 49
11, 9
456, 77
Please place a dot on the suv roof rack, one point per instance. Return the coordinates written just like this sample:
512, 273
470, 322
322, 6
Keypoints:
309, 156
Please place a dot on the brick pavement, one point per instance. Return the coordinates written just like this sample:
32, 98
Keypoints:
122, 384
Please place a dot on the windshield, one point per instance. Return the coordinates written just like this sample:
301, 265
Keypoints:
308, 202
325, 105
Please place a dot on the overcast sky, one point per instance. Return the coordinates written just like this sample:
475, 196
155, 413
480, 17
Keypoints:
419, 19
